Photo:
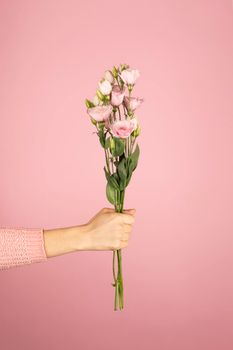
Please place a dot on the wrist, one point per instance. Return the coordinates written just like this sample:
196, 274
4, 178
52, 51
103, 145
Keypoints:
65, 240
79, 237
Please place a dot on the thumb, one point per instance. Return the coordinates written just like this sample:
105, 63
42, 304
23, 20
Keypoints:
129, 211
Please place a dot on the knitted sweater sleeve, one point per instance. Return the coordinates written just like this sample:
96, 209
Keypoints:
20, 246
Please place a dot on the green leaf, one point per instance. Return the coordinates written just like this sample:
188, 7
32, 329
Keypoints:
89, 104
133, 159
123, 184
101, 125
111, 193
115, 175
117, 147
113, 180
107, 143
101, 137
122, 171
128, 179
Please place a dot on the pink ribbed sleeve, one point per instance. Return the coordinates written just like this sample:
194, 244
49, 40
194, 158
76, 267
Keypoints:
20, 246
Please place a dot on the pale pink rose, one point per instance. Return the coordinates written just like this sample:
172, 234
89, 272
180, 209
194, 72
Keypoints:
123, 128
117, 95
105, 87
129, 76
100, 113
133, 102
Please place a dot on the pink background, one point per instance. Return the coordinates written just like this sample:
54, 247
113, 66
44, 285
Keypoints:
178, 266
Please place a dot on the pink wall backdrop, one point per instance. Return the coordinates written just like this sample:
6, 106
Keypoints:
178, 267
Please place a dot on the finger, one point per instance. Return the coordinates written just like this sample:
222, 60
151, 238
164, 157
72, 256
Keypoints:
123, 245
127, 218
125, 237
130, 211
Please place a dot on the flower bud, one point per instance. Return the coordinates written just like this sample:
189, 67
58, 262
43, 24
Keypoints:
93, 121
115, 72
137, 132
130, 87
100, 95
89, 104
95, 100
123, 67
109, 76
112, 144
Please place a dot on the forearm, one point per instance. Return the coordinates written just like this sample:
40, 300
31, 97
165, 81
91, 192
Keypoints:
20, 246
65, 240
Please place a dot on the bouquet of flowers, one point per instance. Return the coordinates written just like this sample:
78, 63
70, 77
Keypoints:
112, 111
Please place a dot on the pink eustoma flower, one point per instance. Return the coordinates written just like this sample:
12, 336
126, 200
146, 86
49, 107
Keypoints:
123, 128
133, 102
129, 76
117, 95
100, 113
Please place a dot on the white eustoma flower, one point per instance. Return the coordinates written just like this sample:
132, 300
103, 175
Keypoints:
105, 87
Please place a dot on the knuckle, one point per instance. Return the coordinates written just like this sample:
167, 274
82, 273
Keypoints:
124, 244
129, 219
125, 237
132, 219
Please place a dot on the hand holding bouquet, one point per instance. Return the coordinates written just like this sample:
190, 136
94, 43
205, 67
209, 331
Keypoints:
112, 111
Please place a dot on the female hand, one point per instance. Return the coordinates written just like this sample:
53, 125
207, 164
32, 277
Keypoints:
107, 230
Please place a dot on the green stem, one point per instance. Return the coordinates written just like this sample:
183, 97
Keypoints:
122, 200
119, 207
119, 112
120, 278
118, 281
119, 287
107, 160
